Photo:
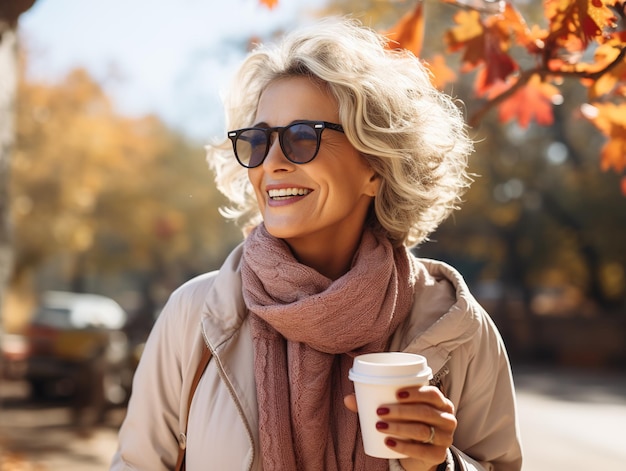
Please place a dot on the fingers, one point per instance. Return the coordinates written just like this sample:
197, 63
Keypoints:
418, 413
410, 420
420, 432
428, 395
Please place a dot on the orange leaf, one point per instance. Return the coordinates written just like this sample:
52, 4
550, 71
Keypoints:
583, 19
531, 101
511, 24
468, 34
485, 43
606, 54
269, 3
441, 73
408, 33
623, 185
610, 119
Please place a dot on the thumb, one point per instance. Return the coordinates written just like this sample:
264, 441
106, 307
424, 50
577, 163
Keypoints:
350, 402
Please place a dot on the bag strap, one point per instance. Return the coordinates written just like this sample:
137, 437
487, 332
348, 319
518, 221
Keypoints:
182, 446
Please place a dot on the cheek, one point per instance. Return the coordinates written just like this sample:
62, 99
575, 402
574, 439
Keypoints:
255, 179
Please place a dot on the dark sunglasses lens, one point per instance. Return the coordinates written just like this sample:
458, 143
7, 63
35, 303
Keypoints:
300, 143
251, 146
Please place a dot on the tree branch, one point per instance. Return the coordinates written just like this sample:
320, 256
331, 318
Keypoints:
525, 76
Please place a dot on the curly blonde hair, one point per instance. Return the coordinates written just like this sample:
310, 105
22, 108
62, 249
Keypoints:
410, 133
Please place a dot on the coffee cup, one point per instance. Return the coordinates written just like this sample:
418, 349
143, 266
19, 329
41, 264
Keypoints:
377, 378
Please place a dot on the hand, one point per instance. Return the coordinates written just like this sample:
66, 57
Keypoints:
410, 419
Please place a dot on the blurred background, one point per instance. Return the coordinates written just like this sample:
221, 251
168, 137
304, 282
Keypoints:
112, 207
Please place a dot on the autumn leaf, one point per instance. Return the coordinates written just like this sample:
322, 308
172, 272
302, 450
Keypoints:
610, 81
408, 33
584, 19
498, 64
512, 27
441, 73
469, 34
610, 119
269, 3
486, 44
531, 101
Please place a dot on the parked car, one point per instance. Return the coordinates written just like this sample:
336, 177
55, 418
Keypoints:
14, 350
77, 346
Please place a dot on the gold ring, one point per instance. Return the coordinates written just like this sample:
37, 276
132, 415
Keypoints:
431, 438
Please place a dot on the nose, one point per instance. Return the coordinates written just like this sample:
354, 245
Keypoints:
275, 160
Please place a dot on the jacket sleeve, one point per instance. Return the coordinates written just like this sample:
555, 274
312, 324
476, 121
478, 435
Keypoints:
148, 437
487, 435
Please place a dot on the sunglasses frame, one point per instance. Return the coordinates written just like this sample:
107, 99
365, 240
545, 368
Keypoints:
317, 126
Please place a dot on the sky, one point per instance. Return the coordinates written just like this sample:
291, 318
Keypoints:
169, 57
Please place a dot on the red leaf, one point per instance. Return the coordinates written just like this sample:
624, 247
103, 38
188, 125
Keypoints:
583, 19
485, 43
531, 101
408, 33
498, 65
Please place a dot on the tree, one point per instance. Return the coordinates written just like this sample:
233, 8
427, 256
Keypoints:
520, 68
543, 87
95, 192
9, 14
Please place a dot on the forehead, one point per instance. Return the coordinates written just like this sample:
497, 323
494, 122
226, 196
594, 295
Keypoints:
293, 98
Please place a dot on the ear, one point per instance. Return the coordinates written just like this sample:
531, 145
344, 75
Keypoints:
373, 185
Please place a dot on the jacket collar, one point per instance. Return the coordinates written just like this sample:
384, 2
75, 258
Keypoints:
444, 315
224, 309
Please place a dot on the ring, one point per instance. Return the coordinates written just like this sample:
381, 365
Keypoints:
431, 438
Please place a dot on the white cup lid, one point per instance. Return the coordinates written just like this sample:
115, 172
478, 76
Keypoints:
390, 368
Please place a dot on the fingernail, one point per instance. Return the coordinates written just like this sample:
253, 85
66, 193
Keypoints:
390, 442
382, 411
382, 425
403, 394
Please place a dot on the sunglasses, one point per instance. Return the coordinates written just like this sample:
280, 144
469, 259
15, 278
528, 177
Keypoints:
299, 141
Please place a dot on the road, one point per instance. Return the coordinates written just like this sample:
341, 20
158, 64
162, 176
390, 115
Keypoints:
569, 420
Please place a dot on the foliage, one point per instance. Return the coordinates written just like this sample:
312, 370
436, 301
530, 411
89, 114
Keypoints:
543, 221
107, 193
581, 39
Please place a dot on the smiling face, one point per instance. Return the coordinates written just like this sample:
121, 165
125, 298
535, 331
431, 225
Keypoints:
318, 208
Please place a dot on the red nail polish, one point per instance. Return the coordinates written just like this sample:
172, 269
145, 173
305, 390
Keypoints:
382, 425
390, 442
403, 394
382, 411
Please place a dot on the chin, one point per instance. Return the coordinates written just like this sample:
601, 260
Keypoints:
281, 231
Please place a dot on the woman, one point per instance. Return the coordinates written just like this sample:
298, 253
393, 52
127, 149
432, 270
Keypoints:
344, 157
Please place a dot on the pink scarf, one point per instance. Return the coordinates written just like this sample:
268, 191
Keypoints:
306, 330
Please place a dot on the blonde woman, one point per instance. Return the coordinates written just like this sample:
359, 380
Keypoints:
342, 156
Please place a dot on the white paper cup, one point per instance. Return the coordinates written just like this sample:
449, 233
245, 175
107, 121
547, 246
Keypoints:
377, 377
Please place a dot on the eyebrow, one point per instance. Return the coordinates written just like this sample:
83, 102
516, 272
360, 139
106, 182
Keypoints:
263, 124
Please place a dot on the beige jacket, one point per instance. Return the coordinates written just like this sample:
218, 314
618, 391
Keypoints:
447, 326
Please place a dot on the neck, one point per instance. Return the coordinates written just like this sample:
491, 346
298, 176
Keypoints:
331, 258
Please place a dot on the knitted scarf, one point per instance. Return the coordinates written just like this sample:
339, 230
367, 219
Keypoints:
306, 330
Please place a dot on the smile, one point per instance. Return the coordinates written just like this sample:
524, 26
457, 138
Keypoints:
285, 193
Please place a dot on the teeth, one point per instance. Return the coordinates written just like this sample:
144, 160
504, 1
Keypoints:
288, 192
